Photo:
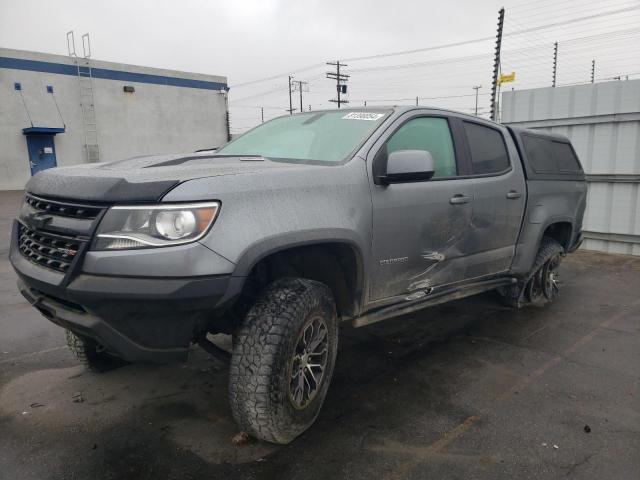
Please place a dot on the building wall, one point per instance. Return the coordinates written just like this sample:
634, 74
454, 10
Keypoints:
603, 122
169, 112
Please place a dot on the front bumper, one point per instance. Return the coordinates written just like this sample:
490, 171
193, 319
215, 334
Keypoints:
137, 318
134, 326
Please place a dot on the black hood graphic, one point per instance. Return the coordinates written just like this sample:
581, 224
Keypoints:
140, 179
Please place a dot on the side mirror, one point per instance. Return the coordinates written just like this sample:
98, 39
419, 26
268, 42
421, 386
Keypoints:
408, 166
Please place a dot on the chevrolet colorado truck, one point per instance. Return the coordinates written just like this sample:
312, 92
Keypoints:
300, 224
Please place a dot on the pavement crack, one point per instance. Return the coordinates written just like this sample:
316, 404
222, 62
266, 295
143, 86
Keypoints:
573, 467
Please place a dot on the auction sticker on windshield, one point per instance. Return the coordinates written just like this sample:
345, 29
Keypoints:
363, 116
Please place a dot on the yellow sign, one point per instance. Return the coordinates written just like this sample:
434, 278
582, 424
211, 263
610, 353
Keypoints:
507, 77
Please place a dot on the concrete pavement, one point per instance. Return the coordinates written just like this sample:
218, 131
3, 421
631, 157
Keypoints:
465, 390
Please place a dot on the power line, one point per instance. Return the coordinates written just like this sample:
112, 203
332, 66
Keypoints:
277, 76
540, 5
419, 98
256, 95
476, 40
235, 105
449, 45
614, 51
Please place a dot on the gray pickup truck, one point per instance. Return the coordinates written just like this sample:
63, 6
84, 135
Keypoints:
301, 223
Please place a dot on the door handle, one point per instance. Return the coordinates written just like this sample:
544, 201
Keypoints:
459, 199
512, 195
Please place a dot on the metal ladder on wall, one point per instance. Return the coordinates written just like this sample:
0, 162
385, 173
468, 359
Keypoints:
87, 99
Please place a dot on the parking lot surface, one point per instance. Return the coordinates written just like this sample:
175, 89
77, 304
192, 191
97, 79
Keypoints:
466, 390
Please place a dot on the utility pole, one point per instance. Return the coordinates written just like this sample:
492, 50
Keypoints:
226, 115
290, 104
262, 114
555, 63
340, 79
476, 88
593, 70
496, 65
299, 85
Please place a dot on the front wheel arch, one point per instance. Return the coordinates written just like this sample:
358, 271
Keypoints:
338, 264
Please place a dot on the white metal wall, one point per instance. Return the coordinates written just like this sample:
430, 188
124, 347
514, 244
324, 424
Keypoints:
603, 122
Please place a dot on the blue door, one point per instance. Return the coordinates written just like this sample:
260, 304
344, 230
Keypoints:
42, 152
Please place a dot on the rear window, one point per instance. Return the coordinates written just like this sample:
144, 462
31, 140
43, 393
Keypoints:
548, 156
488, 151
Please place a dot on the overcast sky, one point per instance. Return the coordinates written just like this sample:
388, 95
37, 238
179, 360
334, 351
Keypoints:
241, 39
249, 39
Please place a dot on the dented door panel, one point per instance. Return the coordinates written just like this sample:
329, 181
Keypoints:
420, 234
420, 239
498, 208
496, 222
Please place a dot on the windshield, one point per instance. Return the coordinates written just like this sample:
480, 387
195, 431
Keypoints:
320, 136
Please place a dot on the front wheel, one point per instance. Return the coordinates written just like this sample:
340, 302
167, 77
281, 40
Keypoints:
91, 354
283, 359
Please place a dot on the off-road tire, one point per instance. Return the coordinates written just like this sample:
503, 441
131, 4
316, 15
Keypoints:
517, 295
263, 350
89, 353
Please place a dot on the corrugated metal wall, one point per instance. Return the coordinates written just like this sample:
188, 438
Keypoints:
603, 122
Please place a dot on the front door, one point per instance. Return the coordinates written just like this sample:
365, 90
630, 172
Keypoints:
42, 152
420, 229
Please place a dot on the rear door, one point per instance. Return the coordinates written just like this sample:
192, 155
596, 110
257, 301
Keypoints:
499, 197
420, 229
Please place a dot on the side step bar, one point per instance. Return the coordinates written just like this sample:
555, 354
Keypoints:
435, 298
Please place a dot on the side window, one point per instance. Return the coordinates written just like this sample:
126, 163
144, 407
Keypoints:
431, 134
539, 153
565, 158
488, 150
548, 156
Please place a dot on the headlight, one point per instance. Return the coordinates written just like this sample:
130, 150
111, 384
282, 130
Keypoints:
146, 226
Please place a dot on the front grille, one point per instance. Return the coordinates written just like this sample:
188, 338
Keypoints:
62, 209
51, 251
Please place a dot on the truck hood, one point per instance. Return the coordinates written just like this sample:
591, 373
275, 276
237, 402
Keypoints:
142, 179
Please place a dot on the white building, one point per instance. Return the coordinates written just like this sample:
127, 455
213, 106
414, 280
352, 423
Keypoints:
57, 110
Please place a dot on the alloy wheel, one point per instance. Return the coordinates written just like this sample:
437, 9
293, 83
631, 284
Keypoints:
551, 278
308, 363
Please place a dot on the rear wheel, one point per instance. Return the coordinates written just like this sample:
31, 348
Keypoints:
550, 278
91, 354
543, 283
283, 359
